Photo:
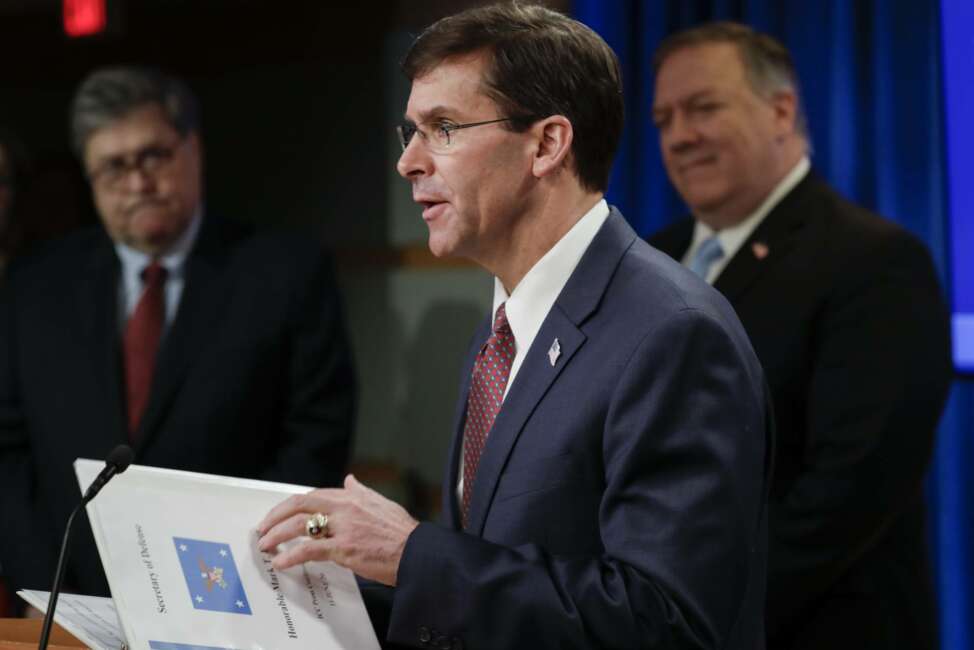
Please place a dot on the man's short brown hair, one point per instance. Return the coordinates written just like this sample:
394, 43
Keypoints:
768, 65
539, 63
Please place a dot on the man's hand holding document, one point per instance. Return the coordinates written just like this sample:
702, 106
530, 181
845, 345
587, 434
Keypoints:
181, 554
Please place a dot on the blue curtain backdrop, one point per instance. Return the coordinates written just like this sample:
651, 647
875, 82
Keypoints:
871, 80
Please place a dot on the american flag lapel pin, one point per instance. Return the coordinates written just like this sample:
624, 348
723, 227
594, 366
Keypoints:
554, 352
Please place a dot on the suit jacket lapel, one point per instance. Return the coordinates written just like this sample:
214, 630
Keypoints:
200, 305
532, 382
574, 305
99, 311
769, 242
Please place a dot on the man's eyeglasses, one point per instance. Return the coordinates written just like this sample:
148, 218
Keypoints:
148, 161
438, 135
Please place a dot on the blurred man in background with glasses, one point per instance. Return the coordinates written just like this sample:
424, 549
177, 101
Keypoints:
203, 344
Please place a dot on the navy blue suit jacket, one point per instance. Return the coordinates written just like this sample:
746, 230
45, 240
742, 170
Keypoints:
620, 500
254, 378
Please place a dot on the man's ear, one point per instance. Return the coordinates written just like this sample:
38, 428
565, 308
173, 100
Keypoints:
555, 136
784, 103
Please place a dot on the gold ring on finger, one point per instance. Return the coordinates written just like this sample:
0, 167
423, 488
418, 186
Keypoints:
317, 526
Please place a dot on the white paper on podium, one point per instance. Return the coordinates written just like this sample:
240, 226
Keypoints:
92, 620
180, 553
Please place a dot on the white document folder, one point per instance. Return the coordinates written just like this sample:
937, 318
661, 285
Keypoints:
180, 553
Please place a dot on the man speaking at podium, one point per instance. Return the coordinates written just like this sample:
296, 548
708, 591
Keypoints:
607, 479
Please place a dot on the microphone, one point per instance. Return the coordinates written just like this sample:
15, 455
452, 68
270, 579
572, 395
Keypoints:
116, 463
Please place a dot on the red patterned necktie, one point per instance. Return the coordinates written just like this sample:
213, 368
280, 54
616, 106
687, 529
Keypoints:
141, 341
487, 383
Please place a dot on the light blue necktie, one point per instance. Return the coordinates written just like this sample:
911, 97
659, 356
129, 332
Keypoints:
708, 253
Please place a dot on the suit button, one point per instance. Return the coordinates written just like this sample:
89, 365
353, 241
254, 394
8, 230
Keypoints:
424, 635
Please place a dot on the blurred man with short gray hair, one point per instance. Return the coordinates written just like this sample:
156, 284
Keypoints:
205, 345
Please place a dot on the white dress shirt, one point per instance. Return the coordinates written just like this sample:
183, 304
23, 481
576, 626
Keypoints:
528, 304
731, 239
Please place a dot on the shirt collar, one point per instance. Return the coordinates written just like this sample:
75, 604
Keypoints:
732, 238
529, 303
173, 260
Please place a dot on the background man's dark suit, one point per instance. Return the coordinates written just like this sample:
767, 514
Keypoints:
619, 502
846, 315
253, 379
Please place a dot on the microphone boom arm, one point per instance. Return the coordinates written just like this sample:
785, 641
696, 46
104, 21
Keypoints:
116, 463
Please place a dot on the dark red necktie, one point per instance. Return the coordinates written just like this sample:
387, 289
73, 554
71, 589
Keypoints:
141, 342
487, 383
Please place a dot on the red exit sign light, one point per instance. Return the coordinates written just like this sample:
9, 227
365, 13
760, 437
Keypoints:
84, 17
